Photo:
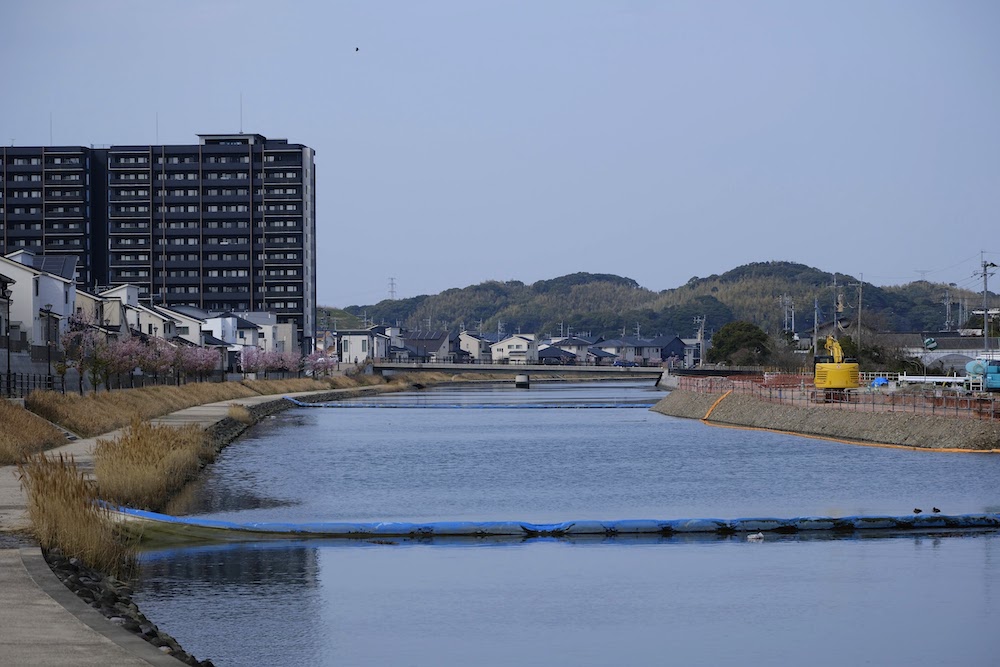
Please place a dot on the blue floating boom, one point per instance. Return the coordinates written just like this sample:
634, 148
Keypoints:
166, 527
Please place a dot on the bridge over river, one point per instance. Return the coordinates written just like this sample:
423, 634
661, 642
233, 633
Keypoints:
623, 372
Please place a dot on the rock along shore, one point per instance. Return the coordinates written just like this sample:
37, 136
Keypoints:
888, 428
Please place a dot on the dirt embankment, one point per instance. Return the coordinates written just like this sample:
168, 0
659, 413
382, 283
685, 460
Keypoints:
891, 428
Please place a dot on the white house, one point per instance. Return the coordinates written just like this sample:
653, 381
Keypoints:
476, 345
150, 322
357, 345
41, 300
272, 336
577, 346
106, 313
515, 349
186, 325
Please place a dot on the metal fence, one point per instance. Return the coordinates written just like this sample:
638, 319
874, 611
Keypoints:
19, 385
798, 390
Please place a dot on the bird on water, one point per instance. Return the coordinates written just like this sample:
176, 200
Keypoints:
917, 510
936, 510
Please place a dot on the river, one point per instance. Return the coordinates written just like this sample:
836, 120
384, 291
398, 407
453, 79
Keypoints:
562, 452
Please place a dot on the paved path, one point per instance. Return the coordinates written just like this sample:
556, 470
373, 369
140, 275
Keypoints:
41, 621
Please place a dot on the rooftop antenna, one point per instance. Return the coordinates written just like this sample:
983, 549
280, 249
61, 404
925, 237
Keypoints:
157, 127
241, 112
50, 128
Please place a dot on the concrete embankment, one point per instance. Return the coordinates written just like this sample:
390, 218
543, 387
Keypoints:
888, 428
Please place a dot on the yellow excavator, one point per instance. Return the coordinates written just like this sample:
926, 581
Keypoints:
832, 371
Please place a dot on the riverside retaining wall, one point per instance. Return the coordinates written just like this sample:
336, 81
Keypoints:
877, 428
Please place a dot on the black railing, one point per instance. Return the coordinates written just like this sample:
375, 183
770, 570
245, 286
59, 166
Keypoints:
19, 385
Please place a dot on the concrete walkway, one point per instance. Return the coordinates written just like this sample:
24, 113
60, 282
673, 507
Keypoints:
41, 621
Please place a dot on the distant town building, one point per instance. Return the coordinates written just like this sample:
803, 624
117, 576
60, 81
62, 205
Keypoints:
228, 223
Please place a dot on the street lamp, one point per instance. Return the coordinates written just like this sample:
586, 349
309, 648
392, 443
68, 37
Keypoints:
48, 340
6, 297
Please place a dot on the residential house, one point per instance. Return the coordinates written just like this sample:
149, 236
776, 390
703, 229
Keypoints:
359, 345
577, 346
599, 357
151, 322
551, 354
430, 346
476, 346
273, 336
515, 349
189, 323
671, 350
106, 314
623, 349
43, 296
692, 352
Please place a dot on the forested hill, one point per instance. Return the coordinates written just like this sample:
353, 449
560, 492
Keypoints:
608, 305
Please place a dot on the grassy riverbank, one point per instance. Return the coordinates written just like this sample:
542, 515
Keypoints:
885, 428
102, 412
145, 465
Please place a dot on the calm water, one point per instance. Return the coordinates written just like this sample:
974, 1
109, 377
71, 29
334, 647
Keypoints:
548, 455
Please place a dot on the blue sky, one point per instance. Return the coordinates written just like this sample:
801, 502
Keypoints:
470, 141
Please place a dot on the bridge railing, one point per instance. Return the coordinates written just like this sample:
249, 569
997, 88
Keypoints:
515, 362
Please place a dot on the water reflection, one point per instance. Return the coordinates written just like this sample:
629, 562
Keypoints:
691, 599
824, 598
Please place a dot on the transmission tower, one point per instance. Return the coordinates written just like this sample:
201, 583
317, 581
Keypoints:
392, 288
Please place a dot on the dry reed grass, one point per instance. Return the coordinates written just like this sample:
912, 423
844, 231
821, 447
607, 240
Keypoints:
23, 433
65, 514
286, 386
147, 463
103, 412
240, 413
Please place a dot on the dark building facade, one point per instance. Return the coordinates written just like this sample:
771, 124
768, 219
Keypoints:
46, 202
228, 223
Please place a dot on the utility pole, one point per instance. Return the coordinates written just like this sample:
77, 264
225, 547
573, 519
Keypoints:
986, 273
700, 321
860, 286
815, 325
947, 310
788, 313
836, 303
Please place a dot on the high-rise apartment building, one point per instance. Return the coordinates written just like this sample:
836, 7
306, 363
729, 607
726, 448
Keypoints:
228, 223
45, 203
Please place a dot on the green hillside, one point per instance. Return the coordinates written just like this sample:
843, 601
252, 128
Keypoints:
608, 305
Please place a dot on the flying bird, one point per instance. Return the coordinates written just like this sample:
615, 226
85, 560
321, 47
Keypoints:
936, 510
917, 510
356, 49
